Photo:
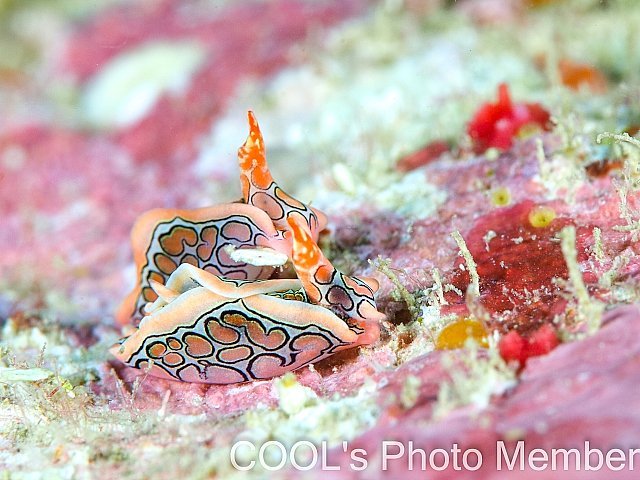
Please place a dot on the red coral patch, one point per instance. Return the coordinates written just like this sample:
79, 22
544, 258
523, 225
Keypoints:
427, 154
496, 124
513, 347
518, 268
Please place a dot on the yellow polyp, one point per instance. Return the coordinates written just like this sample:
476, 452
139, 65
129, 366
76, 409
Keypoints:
500, 197
541, 216
288, 380
455, 334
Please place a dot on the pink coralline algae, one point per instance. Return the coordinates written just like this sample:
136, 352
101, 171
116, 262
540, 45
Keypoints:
248, 40
585, 390
496, 124
67, 200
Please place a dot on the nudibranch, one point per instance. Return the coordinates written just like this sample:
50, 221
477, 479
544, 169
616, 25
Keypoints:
164, 239
209, 329
208, 317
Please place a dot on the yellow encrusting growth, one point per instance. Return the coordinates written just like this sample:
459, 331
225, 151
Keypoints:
541, 216
456, 334
500, 197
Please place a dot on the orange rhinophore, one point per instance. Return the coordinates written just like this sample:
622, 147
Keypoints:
259, 189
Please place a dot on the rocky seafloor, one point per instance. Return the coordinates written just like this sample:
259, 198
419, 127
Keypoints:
453, 144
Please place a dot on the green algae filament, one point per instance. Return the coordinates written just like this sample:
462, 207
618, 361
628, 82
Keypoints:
541, 216
456, 333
